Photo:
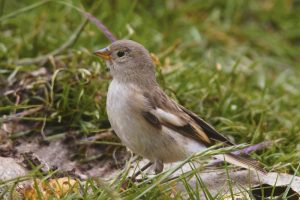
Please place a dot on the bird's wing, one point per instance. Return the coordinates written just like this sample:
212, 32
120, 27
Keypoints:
162, 111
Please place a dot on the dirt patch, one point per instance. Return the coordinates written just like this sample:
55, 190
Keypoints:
71, 155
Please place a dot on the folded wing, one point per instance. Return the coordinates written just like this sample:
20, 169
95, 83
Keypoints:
163, 111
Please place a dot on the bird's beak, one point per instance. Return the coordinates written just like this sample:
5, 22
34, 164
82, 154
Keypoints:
103, 53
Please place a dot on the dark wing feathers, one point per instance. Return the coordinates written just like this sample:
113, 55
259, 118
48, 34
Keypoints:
149, 117
210, 131
194, 127
188, 131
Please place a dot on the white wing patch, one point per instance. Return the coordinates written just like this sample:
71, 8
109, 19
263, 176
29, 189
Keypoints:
168, 117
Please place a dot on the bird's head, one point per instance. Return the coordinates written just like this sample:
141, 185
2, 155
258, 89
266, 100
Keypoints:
128, 61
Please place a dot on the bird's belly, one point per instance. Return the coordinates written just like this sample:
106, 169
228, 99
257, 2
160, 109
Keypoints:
142, 138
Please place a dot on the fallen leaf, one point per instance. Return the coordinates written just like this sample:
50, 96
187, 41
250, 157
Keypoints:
51, 188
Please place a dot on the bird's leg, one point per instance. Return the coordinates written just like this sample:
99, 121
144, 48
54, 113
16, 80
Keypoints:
131, 179
141, 170
159, 166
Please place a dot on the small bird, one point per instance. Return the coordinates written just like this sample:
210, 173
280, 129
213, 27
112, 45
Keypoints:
146, 120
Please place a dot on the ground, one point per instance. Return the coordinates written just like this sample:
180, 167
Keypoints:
234, 63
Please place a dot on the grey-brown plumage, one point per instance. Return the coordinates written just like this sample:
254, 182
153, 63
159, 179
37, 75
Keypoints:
147, 121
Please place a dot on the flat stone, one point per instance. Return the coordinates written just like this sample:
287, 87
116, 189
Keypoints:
10, 168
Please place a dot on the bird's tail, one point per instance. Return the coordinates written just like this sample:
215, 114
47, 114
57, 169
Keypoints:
243, 162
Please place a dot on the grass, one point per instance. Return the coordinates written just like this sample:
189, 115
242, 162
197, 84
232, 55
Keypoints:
235, 63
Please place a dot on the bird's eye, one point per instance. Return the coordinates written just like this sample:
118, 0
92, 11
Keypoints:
121, 53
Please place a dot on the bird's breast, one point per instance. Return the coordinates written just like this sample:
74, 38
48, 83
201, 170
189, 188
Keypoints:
122, 106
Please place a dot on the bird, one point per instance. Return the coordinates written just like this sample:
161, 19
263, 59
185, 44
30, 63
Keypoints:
147, 121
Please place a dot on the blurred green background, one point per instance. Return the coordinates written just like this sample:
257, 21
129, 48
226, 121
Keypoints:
235, 63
